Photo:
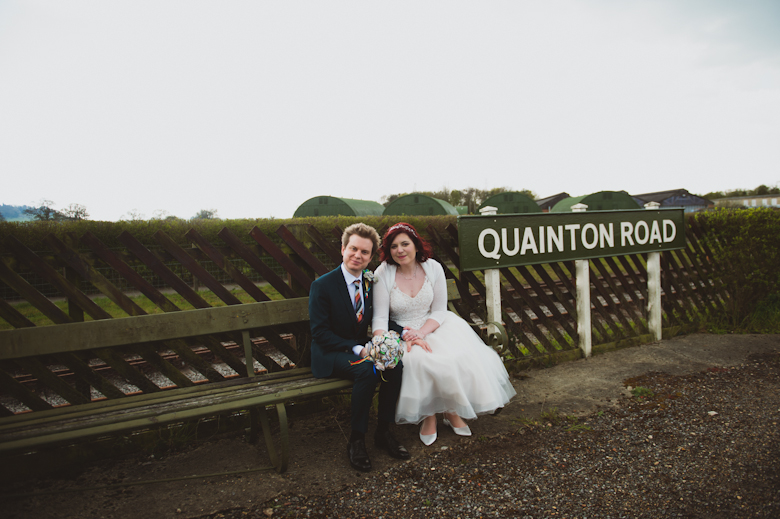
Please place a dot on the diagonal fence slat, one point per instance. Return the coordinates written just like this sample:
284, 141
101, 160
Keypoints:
254, 261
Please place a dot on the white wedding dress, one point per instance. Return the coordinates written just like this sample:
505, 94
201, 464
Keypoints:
462, 375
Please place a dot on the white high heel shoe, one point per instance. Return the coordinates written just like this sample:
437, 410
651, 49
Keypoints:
427, 439
460, 431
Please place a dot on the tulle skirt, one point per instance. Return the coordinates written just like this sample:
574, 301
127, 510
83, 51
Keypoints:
462, 375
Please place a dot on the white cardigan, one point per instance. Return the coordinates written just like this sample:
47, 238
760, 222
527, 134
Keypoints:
385, 279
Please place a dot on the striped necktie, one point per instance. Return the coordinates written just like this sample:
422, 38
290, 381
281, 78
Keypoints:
358, 301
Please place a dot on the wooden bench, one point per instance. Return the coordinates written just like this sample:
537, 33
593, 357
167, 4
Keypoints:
110, 416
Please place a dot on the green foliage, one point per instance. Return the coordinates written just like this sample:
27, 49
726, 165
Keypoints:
746, 250
469, 197
642, 392
33, 234
760, 190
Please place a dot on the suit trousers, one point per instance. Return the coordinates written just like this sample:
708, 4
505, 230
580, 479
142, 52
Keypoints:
365, 380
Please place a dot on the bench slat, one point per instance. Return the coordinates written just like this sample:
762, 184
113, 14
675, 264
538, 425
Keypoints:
43, 340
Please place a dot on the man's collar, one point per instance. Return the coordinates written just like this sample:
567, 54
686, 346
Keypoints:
348, 275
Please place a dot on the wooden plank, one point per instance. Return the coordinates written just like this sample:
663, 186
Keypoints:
86, 374
195, 268
629, 293
56, 279
12, 316
549, 303
116, 361
283, 259
171, 395
222, 262
620, 307
127, 272
32, 296
599, 278
159, 268
13, 388
256, 263
680, 284
89, 274
301, 250
534, 306
45, 376
149, 328
148, 353
327, 247
179, 346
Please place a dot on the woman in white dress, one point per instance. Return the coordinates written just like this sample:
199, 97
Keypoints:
447, 367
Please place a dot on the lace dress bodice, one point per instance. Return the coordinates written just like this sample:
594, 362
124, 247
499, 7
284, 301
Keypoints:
406, 310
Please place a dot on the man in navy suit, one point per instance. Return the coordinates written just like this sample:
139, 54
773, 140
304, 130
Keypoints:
340, 310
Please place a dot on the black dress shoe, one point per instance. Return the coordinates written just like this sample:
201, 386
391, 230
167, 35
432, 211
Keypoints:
358, 457
384, 440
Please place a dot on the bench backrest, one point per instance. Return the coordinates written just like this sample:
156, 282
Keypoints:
46, 340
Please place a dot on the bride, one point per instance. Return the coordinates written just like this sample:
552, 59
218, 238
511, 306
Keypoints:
447, 367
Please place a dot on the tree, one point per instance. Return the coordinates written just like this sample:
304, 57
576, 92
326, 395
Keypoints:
45, 212
2, 218
75, 212
206, 214
133, 215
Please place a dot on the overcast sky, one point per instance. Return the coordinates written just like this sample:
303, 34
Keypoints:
251, 108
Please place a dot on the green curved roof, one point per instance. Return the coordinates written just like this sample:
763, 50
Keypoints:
333, 206
600, 201
512, 202
419, 205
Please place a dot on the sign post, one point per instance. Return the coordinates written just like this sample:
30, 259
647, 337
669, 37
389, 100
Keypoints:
654, 322
582, 270
492, 286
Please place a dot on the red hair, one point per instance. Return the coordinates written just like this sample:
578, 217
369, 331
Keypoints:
424, 249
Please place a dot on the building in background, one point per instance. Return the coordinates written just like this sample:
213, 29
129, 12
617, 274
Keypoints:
749, 201
675, 198
545, 204
419, 205
511, 202
600, 201
333, 206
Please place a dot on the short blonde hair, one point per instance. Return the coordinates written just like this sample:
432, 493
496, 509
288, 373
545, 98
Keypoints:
364, 231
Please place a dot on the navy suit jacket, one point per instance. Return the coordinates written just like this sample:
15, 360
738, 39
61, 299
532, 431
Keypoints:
334, 326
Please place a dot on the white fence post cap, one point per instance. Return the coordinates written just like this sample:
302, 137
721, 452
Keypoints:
488, 210
579, 208
652, 205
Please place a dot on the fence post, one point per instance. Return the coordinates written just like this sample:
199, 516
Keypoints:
654, 322
582, 269
492, 285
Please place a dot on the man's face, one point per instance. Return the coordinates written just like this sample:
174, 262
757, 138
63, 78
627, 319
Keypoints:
357, 254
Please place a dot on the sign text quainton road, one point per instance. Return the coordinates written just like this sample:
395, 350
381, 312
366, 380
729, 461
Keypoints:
511, 240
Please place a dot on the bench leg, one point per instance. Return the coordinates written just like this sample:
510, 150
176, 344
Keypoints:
280, 459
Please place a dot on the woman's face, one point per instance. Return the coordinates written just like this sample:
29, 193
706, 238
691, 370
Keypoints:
403, 250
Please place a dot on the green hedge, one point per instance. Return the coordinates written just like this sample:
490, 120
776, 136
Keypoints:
746, 248
33, 234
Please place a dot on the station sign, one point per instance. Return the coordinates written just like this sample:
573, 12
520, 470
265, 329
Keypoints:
510, 240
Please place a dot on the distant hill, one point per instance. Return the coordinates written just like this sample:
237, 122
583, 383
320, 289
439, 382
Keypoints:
15, 213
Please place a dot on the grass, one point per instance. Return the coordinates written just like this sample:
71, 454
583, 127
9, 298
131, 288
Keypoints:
642, 392
35, 316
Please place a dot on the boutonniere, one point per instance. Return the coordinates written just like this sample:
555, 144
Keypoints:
368, 279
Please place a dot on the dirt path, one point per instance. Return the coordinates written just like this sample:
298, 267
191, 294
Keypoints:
319, 462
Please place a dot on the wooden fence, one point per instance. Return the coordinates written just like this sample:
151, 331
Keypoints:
84, 279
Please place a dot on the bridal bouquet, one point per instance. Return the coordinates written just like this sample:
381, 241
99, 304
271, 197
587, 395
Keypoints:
385, 351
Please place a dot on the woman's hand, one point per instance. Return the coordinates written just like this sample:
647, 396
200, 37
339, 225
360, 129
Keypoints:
412, 334
419, 342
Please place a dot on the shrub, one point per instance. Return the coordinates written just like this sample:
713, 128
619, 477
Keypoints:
746, 248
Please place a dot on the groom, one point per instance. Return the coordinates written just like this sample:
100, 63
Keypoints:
340, 310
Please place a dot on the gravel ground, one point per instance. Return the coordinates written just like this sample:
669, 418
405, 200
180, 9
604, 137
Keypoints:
696, 445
